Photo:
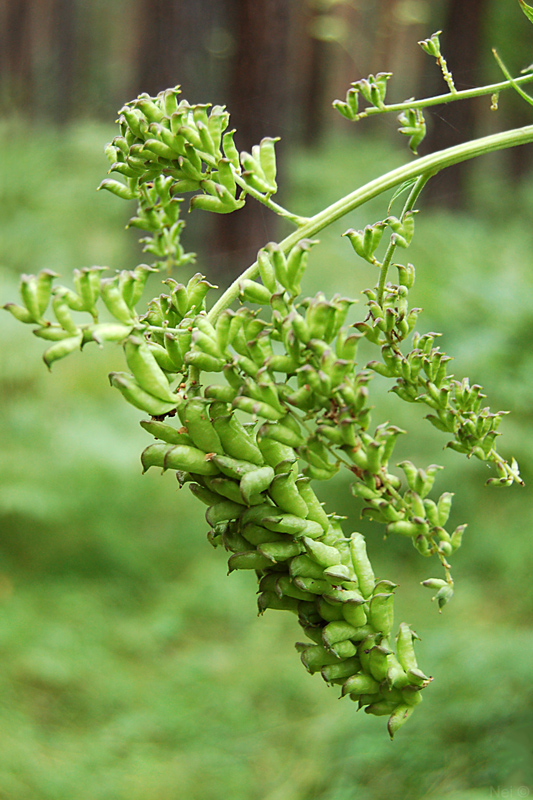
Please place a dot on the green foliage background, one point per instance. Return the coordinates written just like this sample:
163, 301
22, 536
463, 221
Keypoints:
131, 666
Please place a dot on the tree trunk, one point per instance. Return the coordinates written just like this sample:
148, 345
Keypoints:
456, 122
258, 103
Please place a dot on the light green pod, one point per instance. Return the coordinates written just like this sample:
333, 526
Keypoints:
398, 718
338, 631
225, 487
405, 651
323, 554
235, 441
234, 541
233, 467
222, 511
315, 511
257, 407
311, 585
296, 526
154, 455
314, 657
285, 586
396, 675
340, 574
62, 348
285, 494
160, 430
379, 661
361, 564
280, 551
200, 428
189, 459
354, 613
255, 482
256, 534
381, 708
271, 600
344, 649
281, 433
381, 613
146, 370
359, 684
134, 394
248, 560
256, 514
305, 567
203, 494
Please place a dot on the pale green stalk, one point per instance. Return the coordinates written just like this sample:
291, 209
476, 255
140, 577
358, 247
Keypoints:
427, 165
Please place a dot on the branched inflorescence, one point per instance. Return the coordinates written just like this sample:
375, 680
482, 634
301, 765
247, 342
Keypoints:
289, 404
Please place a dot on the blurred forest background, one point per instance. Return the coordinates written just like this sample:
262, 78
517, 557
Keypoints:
131, 667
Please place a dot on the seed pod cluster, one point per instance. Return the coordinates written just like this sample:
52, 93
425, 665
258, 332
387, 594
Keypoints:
270, 519
188, 148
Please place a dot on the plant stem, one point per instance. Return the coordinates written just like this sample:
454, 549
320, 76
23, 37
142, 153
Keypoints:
429, 165
265, 199
409, 204
464, 94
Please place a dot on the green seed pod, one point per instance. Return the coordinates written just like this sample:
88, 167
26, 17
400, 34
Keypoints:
359, 684
117, 188
285, 494
396, 676
203, 494
256, 481
160, 430
381, 613
335, 672
235, 441
398, 718
379, 661
194, 416
248, 560
323, 554
138, 397
146, 370
227, 488
285, 586
314, 657
305, 567
344, 650
267, 159
258, 408
256, 534
280, 551
154, 456
222, 510
271, 600
254, 292
354, 614
411, 695
338, 631
405, 652
311, 585
407, 528
288, 523
189, 459
361, 564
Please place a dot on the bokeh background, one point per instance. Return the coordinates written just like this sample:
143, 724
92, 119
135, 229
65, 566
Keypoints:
131, 667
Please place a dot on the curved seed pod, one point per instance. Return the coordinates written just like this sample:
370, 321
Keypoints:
405, 652
314, 657
280, 551
311, 585
256, 514
286, 496
154, 455
338, 631
248, 560
257, 535
257, 407
233, 467
378, 661
285, 586
315, 511
203, 494
381, 613
361, 564
234, 541
194, 415
62, 348
189, 459
328, 612
271, 600
134, 394
225, 487
396, 675
359, 684
323, 554
274, 452
160, 430
344, 650
398, 718
146, 370
256, 482
354, 613
412, 695
296, 526
222, 511
305, 567
235, 441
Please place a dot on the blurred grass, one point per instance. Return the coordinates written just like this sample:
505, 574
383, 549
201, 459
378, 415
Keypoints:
131, 666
